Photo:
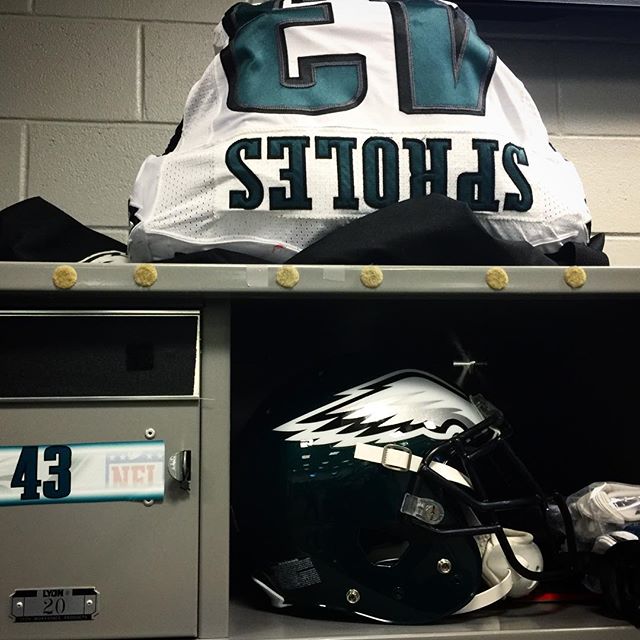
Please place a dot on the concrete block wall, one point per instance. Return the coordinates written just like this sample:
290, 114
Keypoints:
88, 88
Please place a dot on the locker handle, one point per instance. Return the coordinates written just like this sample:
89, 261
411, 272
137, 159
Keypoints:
179, 466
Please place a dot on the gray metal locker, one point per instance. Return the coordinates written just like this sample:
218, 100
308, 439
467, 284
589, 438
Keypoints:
118, 394
163, 570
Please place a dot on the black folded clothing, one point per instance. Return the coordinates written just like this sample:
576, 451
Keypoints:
35, 230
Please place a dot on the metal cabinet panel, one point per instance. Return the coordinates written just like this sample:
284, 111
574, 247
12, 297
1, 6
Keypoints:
141, 558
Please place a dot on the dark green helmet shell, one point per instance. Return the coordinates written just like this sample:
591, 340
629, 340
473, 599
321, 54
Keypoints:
324, 531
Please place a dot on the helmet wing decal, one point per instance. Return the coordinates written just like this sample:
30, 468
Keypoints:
396, 407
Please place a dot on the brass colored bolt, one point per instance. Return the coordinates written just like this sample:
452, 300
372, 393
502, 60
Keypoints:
64, 277
371, 277
145, 275
287, 276
497, 278
575, 277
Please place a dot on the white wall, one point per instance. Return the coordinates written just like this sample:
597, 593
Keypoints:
88, 88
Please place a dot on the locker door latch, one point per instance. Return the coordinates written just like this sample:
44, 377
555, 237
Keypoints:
179, 466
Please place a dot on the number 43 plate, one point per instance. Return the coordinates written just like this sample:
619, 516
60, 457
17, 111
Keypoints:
81, 472
58, 604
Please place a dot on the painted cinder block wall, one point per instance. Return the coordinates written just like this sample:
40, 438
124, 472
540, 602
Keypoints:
88, 88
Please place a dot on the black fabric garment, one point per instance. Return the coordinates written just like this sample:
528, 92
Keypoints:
617, 572
435, 230
175, 138
35, 230
591, 254
213, 256
430, 230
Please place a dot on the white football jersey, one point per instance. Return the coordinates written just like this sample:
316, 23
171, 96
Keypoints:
313, 114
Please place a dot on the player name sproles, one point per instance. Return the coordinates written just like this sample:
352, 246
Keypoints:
281, 172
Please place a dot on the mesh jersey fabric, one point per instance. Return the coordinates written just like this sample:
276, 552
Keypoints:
312, 115
430, 230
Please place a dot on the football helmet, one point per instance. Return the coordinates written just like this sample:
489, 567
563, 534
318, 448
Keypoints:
373, 503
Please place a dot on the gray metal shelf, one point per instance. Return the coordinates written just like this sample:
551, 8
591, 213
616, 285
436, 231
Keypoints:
520, 622
223, 281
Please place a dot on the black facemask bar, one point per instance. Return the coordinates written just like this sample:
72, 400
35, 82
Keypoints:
467, 448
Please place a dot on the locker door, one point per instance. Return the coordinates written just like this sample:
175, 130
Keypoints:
99, 412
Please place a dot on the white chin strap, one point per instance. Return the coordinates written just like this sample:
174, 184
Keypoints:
496, 570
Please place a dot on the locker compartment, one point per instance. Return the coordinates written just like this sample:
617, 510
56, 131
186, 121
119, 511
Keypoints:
557, 369
99, 540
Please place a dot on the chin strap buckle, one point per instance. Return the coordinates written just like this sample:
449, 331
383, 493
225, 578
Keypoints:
392, 457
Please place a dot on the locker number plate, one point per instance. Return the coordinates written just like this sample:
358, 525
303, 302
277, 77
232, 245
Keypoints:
58, 604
